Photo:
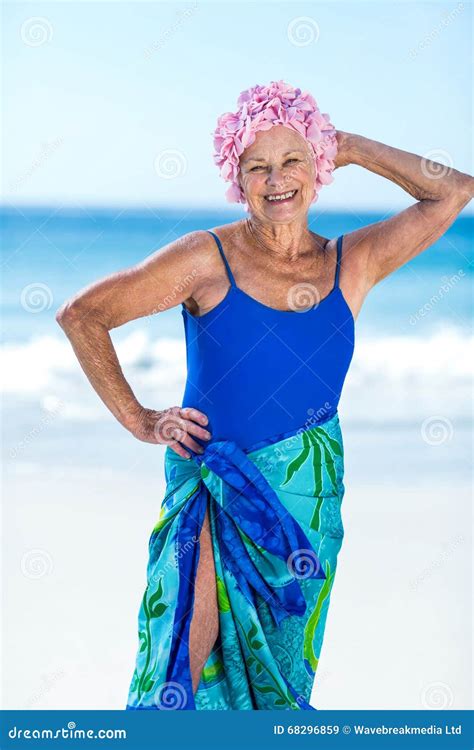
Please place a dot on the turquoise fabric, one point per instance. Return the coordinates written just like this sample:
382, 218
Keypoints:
275, 514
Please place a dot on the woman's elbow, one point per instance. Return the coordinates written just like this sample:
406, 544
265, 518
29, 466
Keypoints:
463, 190
65, 314
73, 313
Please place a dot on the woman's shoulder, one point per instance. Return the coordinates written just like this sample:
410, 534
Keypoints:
204, 262
201, 246
203, 240
229, 233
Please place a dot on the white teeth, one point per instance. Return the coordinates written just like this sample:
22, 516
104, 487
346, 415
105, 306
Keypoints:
280, 197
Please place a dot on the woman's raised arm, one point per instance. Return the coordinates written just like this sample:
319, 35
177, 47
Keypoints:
441, 193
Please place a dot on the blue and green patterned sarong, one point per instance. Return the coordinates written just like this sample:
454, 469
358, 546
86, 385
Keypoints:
275, 520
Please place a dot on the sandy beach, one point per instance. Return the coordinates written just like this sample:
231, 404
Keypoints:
398, 633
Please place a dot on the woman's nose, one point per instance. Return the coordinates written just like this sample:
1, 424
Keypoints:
275, 177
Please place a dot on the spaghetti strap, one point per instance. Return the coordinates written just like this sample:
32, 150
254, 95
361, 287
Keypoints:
338, 260
221, 250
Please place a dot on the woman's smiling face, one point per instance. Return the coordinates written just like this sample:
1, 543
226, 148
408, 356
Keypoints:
279, 162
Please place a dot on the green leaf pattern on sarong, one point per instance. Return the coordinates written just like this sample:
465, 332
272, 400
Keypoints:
153, 607
314, 618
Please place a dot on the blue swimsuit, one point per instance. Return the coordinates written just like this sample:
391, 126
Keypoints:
257, 372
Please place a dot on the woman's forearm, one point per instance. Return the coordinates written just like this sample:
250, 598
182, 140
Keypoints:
94, 349
419, 176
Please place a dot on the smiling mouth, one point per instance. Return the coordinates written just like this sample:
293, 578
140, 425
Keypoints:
281, 197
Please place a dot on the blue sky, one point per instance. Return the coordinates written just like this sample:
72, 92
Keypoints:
115, 85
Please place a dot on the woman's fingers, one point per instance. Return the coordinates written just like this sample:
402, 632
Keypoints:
187, 412
185, 440
190, 443
176, 426
194, 429
178, 448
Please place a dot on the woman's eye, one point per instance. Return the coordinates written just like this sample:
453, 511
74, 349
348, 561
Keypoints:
262, 166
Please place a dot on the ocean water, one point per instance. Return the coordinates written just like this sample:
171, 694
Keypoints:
65, 250
82, 494
413, 334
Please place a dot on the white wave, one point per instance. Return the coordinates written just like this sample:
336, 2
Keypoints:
447, 353
391, 377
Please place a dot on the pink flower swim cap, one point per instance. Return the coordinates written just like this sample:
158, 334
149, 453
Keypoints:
262, 107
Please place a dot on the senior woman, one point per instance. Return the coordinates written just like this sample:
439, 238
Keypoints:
243, 556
